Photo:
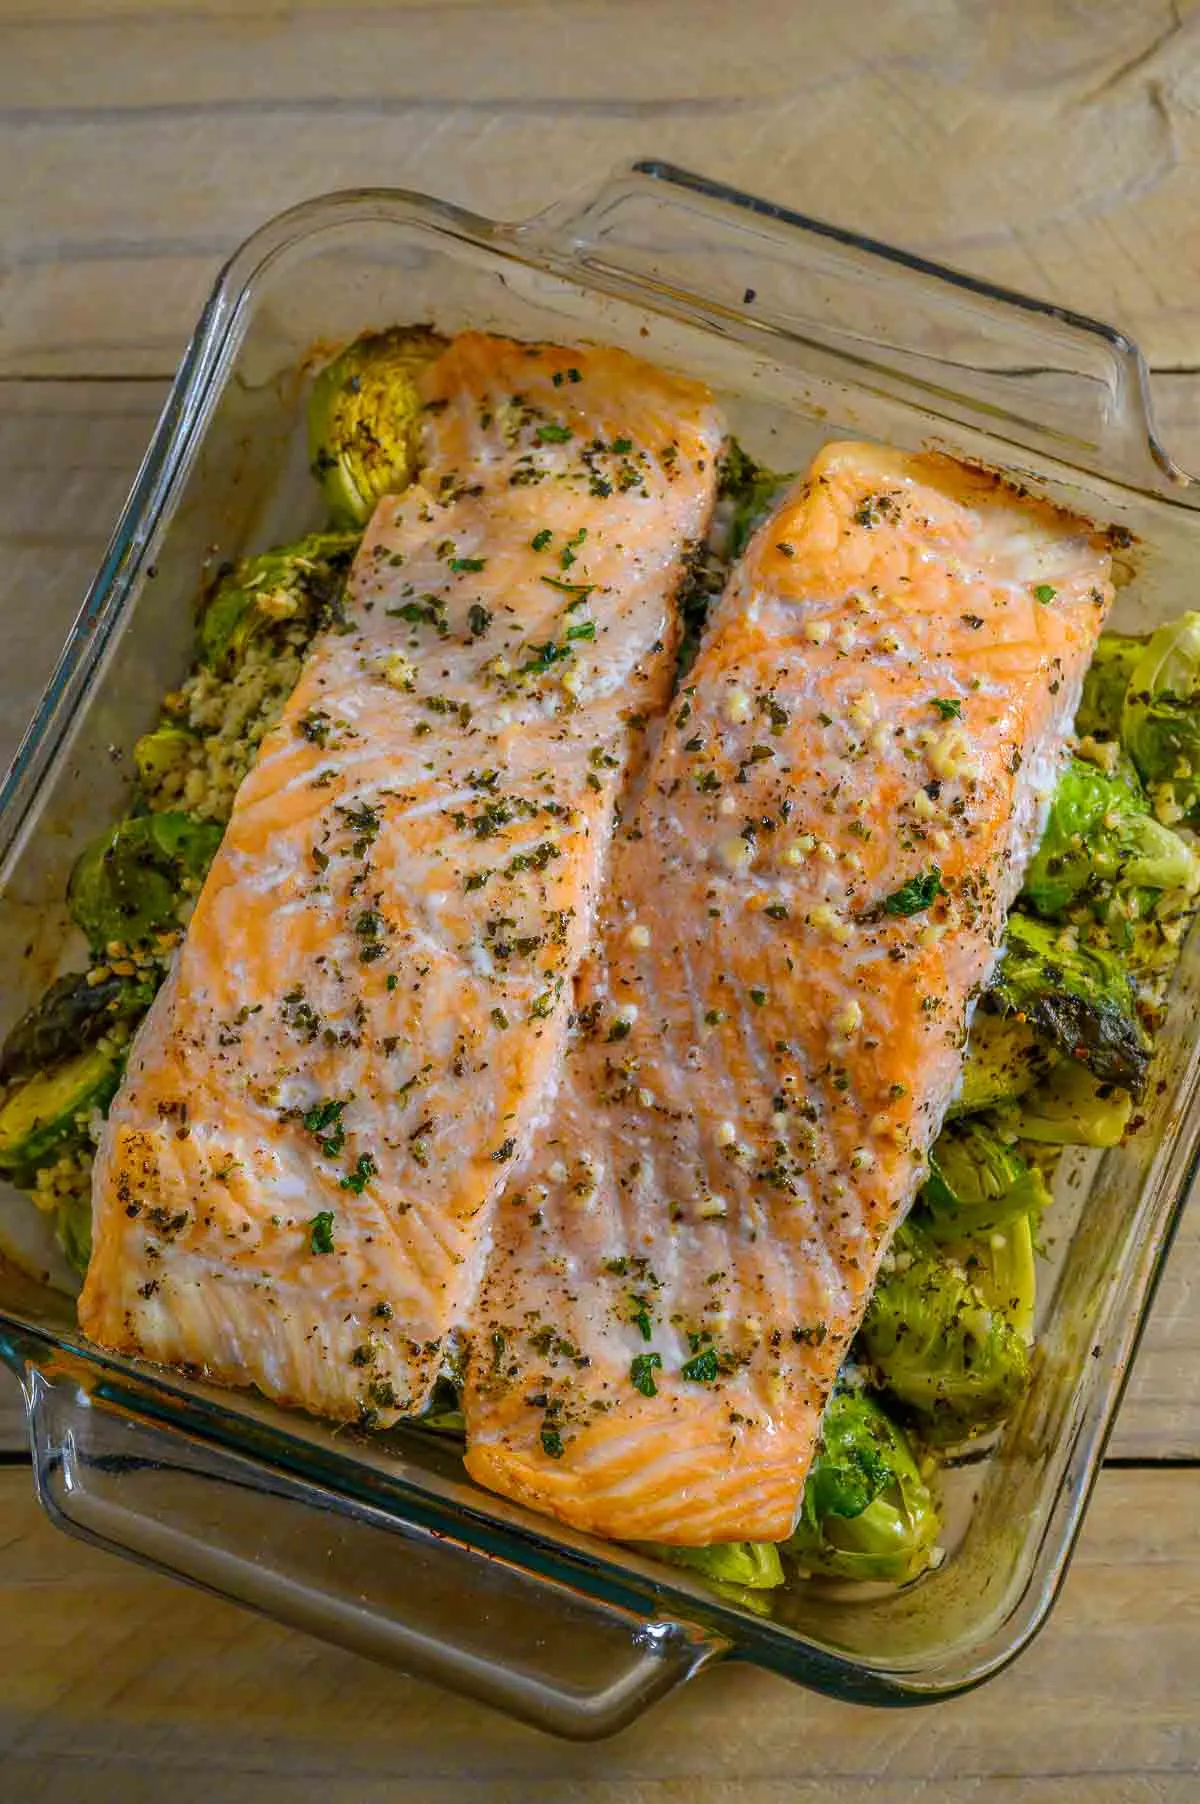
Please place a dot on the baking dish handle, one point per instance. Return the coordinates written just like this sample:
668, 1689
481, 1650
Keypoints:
1025, 371
349, 1573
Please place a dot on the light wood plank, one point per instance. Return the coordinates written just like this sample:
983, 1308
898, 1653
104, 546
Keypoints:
1052, 156
137, 1690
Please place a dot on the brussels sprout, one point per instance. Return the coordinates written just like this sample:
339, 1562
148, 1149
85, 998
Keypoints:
742, 1572
977, 1184
162, 754
753, 1565
364, 420
1079, 996
73, 1225
937, 1346
129, 882
72, 1015
301, 582
51, 1109
1099, 832
1071, 1108
1004, 1058
1160, 719
867, 1512
1105, 684
1002, 1264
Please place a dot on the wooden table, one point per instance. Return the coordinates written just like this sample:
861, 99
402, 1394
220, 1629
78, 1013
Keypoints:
1051, 147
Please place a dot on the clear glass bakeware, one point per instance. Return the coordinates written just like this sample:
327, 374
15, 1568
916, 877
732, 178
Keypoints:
380, 1543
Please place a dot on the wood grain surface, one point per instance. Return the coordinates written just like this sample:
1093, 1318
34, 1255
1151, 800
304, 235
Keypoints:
1053, 145
134, 1688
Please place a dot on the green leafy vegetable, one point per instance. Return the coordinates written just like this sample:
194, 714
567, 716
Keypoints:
1002, 1264
364, 420
750, 491
302, 582
1004, 1059
128, 884
937, 1345
1079, 996
867, 1512
73, 1225
72, 1015
1070, 1107
1105, 684
1100, 833
160, 754
1160, 718
641, 1373
703, 1368
913, 897
320, 1230
755, 1564
49, 1111
977, 1184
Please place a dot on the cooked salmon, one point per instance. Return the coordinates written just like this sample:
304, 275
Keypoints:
368, 1011
800, 913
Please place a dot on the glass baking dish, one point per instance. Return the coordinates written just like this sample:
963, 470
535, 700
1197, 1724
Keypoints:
379, 1543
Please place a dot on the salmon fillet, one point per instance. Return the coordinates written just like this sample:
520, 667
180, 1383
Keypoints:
368, 1010
800, 914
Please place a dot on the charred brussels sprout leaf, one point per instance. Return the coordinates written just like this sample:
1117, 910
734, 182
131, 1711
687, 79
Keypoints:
937, 1345
977, 1185
1160, 718
867, 1511
72, 1015
129, 883
1105, 684
1100, 833
1079, 996
364, 420
300, 583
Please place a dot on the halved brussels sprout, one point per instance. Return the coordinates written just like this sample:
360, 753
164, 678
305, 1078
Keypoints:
51, 1109
73, 1225
977, 1184
160, 754
1004, 1058
130, 881
1072, 1108
300, 582
1160, 718
1078, 996
364, 420
754, 1565
1002, 1264
867, 1512
1105, 684
935, 1343
1100, 833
